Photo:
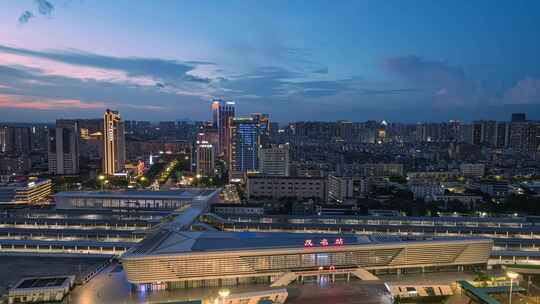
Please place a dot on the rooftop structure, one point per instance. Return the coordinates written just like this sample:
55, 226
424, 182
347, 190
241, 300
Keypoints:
31, 192
186, 259
41, 289
160, 200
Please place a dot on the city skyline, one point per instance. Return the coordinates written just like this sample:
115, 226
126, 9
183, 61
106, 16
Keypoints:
296, 61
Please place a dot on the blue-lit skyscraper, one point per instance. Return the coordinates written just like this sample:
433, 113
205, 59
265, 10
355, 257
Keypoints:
244, 149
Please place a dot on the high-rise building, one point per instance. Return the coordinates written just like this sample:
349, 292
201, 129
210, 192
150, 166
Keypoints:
484, 132
518, 134
221, 112
6, 138
275, 160
502, 134
205, 158
263, 122
63, 148
15, 140
91, 139
532, 138
519, 117
114, 156
244, 146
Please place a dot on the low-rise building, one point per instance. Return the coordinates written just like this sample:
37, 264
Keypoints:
31, 192
463, 198
159, 200
380, 170
494, 188
238, 209
277, 187
343, 188
422, 190
432, 175
41, 289
472, 170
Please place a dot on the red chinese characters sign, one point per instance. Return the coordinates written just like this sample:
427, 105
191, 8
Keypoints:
325, 242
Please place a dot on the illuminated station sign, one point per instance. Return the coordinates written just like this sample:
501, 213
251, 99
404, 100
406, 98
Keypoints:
324, 242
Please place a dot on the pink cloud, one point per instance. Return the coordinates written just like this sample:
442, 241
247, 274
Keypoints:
34, 103
50, 67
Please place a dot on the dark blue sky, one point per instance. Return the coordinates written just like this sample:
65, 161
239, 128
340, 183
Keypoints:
297, 60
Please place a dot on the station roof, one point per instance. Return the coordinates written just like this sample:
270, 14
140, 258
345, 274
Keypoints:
187, 194
172, 242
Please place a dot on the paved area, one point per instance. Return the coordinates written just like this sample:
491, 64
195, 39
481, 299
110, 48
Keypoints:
340, 293
110, 286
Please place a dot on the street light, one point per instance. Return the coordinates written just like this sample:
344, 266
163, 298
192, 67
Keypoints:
223, 293
101, 179
512, 275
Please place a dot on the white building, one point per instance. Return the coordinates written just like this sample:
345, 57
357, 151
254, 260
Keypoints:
341, 188
423, 190
472, 170
274, 161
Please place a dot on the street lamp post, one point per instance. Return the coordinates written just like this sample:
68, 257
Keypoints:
223, 293
512, 275
101, 179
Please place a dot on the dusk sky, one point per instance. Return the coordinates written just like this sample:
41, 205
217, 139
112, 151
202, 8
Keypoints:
403, 61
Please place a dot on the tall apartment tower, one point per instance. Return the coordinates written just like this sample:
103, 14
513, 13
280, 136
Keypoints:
63, 148
114, 147
263, 122
221, 112
244, 149
275, 160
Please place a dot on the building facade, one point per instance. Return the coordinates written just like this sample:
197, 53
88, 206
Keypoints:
244, 147
32, 192
63, 148
472, 170
222, 111
206, 153
343, 188
275, 160
114, 155
212, 259
159, 200
277, 187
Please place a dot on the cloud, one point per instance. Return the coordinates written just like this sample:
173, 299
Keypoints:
37, 103
447, 85
321, 71
25, 17
163, 74
526, 91
44, 7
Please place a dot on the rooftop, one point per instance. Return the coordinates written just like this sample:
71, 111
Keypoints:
164, 242
191, 193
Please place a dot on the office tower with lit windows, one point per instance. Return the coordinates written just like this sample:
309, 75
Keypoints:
114, 148
221, 112
63, 148
244, 150
205, 158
